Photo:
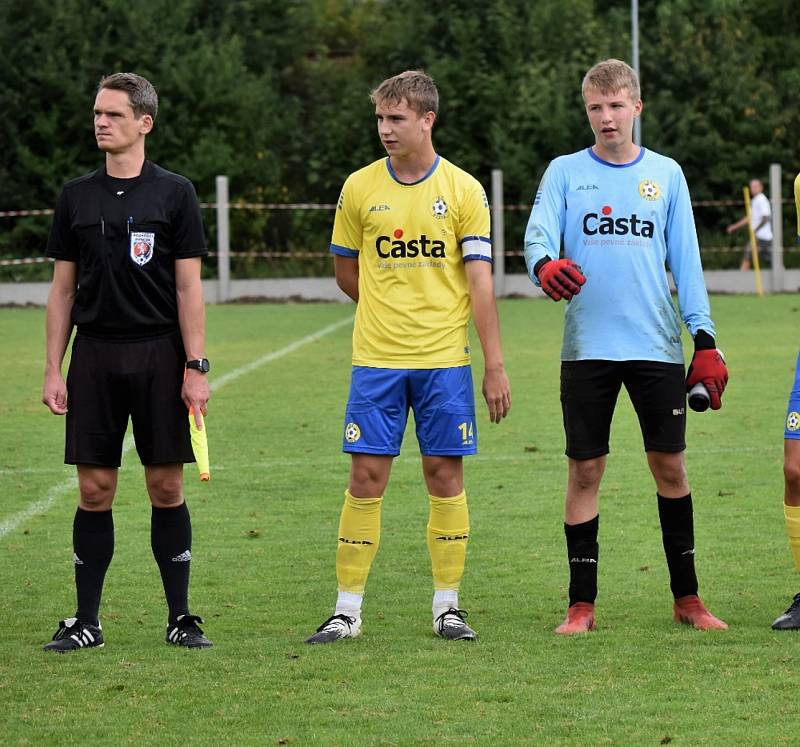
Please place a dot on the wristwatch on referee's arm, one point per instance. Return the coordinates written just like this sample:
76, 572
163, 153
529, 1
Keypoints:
199, 364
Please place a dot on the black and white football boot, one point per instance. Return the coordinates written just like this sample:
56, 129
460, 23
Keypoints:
789, 620
186, 632
335, 628
73, 634
450, 625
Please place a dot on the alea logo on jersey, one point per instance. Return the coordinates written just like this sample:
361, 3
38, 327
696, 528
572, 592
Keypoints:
397, 248
607, 225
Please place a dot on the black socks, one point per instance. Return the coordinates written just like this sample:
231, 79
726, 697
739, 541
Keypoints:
93, 548
582, 552
677, 531
171, 540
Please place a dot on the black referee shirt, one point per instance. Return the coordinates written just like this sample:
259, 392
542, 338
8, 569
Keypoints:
125, 235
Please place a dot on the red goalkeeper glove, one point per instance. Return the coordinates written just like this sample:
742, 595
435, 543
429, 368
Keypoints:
561, 278
709, 367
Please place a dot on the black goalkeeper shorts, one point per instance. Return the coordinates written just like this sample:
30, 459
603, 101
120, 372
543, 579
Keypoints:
110, 381
589, 390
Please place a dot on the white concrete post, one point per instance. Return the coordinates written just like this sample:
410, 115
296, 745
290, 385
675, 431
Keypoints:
223, 241
777, 228
498, 233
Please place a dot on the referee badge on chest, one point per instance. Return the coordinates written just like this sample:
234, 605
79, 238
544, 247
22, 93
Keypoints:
142, 246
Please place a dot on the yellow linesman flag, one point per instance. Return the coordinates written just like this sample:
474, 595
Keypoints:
200, 446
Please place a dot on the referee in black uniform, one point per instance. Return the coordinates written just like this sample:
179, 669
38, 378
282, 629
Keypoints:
127, 242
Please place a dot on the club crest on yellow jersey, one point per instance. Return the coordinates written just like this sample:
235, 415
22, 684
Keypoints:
439, 208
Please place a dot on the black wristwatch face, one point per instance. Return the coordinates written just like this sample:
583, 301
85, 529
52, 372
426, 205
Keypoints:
199, 364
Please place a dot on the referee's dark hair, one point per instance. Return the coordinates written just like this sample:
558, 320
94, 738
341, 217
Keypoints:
143, 97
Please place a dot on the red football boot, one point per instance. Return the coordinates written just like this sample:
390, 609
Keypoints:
691, 611
579, 619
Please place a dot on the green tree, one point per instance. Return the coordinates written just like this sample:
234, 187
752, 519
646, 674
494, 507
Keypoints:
275, 94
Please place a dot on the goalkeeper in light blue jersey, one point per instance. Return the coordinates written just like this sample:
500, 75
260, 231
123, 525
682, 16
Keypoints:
623, 216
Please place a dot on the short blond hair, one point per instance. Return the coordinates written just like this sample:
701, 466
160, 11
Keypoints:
415, 86
610, 76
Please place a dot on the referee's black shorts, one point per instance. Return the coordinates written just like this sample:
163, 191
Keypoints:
107, 382
589, 390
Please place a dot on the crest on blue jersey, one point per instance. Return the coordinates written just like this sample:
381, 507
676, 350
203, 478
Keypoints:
793, 421
649, 190
142, 246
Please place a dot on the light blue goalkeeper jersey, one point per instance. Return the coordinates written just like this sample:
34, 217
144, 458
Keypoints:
624, 225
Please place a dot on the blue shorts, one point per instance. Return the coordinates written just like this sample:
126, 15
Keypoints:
442, 400
792, 425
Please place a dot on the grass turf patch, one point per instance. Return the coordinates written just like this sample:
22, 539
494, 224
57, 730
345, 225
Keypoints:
263, 564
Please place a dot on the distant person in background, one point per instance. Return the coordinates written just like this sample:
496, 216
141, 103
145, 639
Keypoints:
411, 246
623, 215
790, 620
761, 215
127, 241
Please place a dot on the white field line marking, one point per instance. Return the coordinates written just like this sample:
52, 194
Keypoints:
43, 504
269, 357
38, 507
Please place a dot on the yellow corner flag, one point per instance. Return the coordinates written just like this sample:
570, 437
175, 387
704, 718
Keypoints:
753, 242
200, 446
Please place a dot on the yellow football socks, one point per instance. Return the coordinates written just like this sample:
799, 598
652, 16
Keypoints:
792, 515
359, 535
448, 532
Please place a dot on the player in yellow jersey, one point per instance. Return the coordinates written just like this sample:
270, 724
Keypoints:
411, 246
790, 620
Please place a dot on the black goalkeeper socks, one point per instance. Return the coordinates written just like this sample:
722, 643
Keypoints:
93, 548
677, 531
582, 553
171, 540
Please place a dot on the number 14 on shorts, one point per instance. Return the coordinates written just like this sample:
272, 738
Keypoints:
466, 433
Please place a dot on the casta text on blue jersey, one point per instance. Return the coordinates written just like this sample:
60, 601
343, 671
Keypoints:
606, 225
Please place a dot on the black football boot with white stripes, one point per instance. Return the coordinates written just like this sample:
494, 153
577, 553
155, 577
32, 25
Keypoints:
73, 634
335, 628
789, 620
186, 632
450, 625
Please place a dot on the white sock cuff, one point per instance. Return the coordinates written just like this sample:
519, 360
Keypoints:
348, 602
444, 599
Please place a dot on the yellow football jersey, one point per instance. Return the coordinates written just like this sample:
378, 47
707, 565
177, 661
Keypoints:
797, 202
411, 241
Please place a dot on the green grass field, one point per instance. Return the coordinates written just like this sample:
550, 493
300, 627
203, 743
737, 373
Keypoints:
264, 578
